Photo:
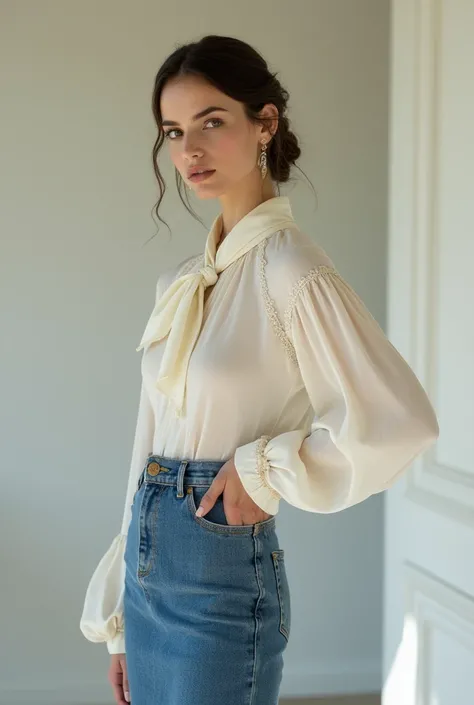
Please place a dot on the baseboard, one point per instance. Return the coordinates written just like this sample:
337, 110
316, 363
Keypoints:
352, 678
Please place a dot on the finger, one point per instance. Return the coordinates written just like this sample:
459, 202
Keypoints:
118, 695
116, 683
125, 686
208, 500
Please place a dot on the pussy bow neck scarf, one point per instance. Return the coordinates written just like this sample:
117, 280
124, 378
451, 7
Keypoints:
178, 313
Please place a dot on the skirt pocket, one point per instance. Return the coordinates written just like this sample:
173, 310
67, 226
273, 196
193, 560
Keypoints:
215, 520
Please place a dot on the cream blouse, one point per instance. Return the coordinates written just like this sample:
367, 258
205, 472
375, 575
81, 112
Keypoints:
293, 377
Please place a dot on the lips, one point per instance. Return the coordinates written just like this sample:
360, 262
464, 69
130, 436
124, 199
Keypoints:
198, 170
196, 177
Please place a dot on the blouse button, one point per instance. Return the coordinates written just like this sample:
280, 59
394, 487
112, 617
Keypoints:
153, 469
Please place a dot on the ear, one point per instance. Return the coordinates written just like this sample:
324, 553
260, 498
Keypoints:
269, 113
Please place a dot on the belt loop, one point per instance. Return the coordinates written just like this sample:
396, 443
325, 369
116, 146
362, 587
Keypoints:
180, 480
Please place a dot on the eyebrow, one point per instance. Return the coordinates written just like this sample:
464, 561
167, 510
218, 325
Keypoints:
203, 113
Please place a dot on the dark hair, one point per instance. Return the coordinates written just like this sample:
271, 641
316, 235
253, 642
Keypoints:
238, 70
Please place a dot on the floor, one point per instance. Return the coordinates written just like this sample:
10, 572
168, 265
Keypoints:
354, 700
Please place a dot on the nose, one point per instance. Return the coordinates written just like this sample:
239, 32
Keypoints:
191, 150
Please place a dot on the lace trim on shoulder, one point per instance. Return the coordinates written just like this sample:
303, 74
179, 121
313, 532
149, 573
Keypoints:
263, 466
270, 306
313, 275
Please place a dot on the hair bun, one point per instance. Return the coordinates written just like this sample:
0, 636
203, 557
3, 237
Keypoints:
291, 147
287, 151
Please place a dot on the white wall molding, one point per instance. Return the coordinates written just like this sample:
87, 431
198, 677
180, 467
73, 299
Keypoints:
433, 483
436, 607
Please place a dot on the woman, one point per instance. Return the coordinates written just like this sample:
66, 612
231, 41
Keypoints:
264, 377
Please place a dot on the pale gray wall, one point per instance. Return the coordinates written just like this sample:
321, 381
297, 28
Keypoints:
76, 286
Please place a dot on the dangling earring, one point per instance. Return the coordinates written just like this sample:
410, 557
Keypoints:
262, 160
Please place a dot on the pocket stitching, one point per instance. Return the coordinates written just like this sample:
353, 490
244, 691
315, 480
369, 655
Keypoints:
143, 573
278, 556
226, 529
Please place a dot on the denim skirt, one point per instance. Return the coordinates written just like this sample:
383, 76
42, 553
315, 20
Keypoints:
207, 604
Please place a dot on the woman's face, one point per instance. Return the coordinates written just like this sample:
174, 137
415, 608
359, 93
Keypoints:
207, 129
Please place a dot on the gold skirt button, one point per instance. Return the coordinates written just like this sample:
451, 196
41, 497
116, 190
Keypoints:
153, 469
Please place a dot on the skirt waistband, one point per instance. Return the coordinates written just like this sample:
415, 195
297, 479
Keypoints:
171, 471
185, 474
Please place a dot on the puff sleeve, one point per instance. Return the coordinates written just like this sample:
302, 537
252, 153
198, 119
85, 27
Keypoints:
102, 616
372, 417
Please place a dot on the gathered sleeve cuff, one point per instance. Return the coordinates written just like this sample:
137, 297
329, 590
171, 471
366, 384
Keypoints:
255, 463
102, 617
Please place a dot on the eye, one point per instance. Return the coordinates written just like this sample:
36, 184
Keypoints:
218, 122
169, 133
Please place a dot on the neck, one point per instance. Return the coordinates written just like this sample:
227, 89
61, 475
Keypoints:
236, 204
